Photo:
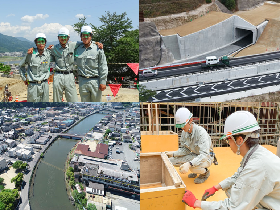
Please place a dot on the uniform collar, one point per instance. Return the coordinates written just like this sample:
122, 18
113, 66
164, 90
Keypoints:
60, 47
91, 45
37, 53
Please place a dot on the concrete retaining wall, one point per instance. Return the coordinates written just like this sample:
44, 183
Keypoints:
214, 76
210, 39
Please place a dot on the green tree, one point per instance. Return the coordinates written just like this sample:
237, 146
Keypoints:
78, 26
17, 164
5, 68
145, 94
17, 179
1, 180
7, 198
23, 166
108, 131
91, 206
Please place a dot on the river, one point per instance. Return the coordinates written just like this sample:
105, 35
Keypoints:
49, 185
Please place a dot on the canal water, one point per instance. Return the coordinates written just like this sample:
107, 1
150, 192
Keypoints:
49, 186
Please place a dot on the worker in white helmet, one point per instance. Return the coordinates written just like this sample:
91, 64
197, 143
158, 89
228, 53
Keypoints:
63, 55
37, 73
196, 151
92, 68
256, 184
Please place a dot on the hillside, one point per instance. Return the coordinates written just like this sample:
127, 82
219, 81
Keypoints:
155, 8
12, 44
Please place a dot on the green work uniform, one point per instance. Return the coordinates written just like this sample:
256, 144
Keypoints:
64, 79
37, 74
195, 147
92, 70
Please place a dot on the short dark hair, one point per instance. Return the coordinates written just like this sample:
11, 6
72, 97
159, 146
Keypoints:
40, 38
250, 142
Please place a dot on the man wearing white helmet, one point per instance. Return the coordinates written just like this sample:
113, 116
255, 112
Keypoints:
196, 151
256, 182
37, 73
92, 68
63, 55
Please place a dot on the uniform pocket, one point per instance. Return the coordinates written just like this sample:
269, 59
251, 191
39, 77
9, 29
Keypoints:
91, 61
34, 68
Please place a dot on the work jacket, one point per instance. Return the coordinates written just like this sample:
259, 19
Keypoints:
198, 142
255, 185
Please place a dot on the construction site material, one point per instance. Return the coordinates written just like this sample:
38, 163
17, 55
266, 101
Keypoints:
212, 116
160, 185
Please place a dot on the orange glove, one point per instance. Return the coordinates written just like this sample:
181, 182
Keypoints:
189, 198
209, 192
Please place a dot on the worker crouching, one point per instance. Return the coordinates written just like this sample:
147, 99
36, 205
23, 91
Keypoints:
196, 151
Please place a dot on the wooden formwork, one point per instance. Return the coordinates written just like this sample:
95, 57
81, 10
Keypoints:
161, 188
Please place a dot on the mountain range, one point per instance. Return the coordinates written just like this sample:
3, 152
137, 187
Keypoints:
17, 44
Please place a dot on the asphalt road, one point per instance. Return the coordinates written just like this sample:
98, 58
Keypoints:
190, 93
191, 69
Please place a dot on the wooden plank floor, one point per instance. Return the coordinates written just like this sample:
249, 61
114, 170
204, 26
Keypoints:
228, 165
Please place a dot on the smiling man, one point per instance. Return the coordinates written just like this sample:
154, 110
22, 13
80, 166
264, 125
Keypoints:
256, 182
92, 68
37, 73
196, 150
63, 56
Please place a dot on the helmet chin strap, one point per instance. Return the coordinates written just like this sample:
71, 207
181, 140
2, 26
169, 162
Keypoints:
238, 146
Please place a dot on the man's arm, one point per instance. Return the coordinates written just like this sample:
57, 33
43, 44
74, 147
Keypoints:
182, 151
103, 70
22, 70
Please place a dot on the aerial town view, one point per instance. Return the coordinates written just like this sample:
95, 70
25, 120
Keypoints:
70, 156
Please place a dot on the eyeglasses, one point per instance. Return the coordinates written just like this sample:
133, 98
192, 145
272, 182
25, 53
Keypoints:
62, 37
85, 36
41, 42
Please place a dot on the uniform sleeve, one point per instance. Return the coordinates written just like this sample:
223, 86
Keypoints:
52, 57
228, 182
204, 144
22, 69
182, 151
103, 68
249, 189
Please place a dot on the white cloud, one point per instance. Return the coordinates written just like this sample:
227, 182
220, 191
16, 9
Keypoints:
30, 19
6, 28
10, 15
89, 16
79, 16
51, 31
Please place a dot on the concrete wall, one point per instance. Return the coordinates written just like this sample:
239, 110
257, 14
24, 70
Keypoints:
214, 76
260, 28
209, 39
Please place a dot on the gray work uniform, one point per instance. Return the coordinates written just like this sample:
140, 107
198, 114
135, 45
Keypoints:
255, 185
64, 79
37, 74
195, 148
92, 70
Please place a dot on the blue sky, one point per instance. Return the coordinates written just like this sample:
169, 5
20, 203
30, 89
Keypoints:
26, 18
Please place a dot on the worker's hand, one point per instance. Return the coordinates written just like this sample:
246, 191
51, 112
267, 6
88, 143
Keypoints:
189, 198
25, 82
30, 50
209, 192
50, 47
102, 87
100, 45
185, 168
169, 154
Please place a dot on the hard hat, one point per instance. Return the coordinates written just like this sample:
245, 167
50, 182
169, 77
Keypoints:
86, 29
63, 31
182, 116
40, 35
240, 122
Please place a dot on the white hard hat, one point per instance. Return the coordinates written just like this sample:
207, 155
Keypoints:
86, 29
182, 116
40, 35
240, 122
63, 31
